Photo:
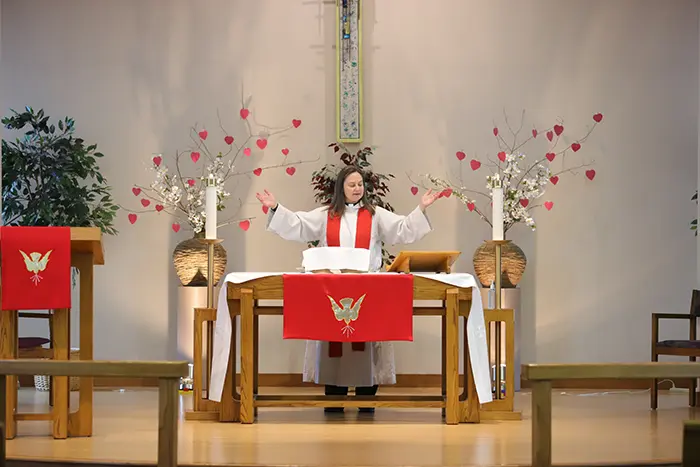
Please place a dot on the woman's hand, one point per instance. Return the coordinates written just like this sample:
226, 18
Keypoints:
267, 199
428, 198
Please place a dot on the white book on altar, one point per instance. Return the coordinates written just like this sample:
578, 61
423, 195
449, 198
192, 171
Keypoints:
335, 259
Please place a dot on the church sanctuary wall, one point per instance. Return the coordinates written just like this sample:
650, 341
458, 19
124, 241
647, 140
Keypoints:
137, 74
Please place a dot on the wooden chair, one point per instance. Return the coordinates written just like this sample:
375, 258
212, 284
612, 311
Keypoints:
684, 348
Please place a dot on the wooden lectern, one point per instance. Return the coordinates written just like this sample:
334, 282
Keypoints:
424, 261
86, 252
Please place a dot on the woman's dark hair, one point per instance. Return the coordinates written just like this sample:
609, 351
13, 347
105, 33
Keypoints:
337, 205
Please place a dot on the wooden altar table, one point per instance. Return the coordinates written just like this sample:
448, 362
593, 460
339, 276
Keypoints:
86, 252
243, 302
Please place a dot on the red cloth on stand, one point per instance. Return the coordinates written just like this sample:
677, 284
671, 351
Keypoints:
36, 268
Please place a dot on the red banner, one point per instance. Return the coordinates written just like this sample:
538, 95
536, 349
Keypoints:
348, 307
36, 268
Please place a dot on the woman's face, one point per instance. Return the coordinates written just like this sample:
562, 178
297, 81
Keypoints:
353, 188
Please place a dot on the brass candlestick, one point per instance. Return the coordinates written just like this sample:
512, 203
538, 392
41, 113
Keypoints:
497, 279
210, 301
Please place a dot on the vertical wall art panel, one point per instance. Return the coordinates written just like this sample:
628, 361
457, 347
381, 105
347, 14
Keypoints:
349, 105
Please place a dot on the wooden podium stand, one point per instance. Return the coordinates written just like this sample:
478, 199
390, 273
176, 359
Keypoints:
86, 252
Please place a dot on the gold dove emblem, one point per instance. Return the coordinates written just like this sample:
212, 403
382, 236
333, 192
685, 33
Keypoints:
346, 311
36, 263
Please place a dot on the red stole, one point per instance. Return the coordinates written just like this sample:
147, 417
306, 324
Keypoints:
363, 234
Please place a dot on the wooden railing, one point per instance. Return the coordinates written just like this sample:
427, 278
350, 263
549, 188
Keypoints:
168, 374
541, 377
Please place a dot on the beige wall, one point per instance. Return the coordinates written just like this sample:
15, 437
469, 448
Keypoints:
136, 74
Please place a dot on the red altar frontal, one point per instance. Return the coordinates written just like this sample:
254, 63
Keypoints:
348, 307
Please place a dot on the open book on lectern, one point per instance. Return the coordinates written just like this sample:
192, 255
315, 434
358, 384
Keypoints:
335, 259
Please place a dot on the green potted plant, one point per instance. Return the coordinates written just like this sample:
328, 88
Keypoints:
323, 182
50, 177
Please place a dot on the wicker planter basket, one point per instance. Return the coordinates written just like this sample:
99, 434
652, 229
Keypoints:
43, 383
190, 261
513, 263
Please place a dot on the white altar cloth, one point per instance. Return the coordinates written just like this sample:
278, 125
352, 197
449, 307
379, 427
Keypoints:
476, 329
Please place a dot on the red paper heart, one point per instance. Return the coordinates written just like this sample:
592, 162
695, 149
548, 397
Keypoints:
414, 190
475, 164
262, 143
176, 227
590, 174
549, 205
244, 113
257, 171
534, 133
132, 218
291, 170
502, 156
191, 182
228, 140
195, 156
460, 155
470, 206
524, 202
495, 131
203, 134
296, 123
157, 160
246, 151
598, 117
550, 156
550, 135
136, 191
265, 209
575, 147
159, 207
554, 180
558, 129
244, 225
145, 203
447, 192
285, 151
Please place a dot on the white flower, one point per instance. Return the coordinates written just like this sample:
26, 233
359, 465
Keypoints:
519, 180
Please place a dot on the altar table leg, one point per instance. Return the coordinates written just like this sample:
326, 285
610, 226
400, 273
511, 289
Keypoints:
61, 351
8, 351
230, 406
3, 398
256, 356
452, 413
80, 422
247, 357
471, 406
443, 381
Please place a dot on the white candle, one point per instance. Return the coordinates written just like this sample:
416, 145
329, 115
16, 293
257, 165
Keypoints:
497, 215
210, 209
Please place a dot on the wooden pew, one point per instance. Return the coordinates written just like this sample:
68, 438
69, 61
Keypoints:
542, 375
168, 374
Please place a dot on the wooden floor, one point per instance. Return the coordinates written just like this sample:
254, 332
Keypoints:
589, 428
